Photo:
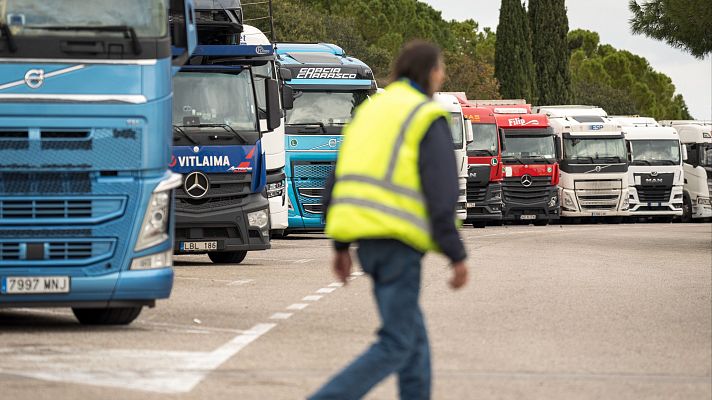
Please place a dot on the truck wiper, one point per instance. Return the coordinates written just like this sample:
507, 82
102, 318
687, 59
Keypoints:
9, 37
587, 158
226, 127
129, 32
515, 158
177, 128
308, 124
646, 162
614, 158
480, 152
547, 160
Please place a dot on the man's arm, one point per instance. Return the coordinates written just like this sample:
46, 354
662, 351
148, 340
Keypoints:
439, 179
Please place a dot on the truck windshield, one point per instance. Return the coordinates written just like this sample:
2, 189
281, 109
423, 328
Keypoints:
655, 152
485, 142
458, 129
214, 99
594, 150
525, 148
706, 159
37, 17
324, 108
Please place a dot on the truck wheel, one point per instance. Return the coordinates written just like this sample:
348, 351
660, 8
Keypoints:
541, 223
479, 224
106, 316
686, 209
228, 257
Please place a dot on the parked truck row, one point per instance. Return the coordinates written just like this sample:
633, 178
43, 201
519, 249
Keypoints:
173, 127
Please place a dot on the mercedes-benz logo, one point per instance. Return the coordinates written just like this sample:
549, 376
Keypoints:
196, 185
527, 180
34, 78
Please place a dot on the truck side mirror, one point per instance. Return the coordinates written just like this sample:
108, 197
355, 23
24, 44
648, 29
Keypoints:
285, 74
557, 148
287, 97
502, 142
469, 131
684, 152
274, 112
184, 34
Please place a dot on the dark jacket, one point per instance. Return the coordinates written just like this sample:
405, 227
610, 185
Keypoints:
439, 180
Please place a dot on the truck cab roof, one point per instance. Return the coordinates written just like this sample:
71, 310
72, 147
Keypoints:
571, 111
577, 126
522, 121
650, 133
692, 131
448, 101
323, 66
634, 120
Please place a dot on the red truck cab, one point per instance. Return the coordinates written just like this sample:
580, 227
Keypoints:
531, 171
485, 173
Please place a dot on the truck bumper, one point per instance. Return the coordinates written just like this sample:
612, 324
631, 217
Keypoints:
671, 207
120, 289
484, 203
614, 203
228, 227
536, 203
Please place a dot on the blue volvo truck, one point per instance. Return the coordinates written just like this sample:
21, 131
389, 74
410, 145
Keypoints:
86, 210
327, 87
222, 209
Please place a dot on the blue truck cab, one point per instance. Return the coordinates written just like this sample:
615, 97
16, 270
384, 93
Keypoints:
86, 210
327, 87
219, 110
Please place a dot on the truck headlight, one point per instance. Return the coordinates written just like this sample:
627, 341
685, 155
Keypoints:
275, 189
704, 201
154, 229
626, 203
258, 219
569, 202
153, 261
553, 201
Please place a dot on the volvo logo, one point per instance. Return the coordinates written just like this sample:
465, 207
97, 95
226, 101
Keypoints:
598, 168
196, 185
34, 78
527, 180
332, 143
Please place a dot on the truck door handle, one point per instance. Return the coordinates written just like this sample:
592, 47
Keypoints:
83, 47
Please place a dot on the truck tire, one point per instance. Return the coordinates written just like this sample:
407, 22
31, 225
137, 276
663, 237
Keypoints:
227, 257
686, 209
541, 223
106, 316
479, 224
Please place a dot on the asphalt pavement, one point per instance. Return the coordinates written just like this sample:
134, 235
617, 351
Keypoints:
558, 312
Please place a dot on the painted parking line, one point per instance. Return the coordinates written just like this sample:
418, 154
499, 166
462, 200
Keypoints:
326, 290
281, 315
314, 297
298, 306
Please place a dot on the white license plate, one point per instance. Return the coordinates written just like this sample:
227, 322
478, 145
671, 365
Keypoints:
35, 284
529, 217
471, 205
598, 214
198, 246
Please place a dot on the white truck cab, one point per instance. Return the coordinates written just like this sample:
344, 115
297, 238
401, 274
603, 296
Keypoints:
696, 136
272, 141
593, 164
655, 172
461, 136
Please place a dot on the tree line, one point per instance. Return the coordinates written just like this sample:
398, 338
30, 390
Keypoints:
532, 55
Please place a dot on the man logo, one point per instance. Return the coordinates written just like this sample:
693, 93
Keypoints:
196, 185
34, 78
654, 173
527, 180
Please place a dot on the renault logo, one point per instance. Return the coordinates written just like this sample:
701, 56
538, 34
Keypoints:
527, 180
34, 78
196, 185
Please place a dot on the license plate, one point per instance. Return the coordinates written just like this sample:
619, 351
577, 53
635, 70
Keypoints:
198, 246
528, 217
35, 284
471, 205
598, 214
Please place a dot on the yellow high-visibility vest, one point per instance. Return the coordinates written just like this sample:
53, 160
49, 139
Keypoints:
377, 193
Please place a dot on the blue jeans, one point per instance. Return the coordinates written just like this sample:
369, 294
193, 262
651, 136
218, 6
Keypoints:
402, 345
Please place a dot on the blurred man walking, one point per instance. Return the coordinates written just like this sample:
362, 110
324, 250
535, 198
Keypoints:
395, 192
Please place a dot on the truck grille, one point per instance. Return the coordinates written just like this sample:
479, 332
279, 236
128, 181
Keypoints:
515, 192
309, 182
598, 195
56, 252
21, 183
476, 193
15, 211
653, 194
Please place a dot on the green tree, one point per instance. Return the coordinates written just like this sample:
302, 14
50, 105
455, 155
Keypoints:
684, 24
549, 29
514, 68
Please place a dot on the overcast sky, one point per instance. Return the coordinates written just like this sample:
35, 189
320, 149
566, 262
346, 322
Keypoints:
692, 77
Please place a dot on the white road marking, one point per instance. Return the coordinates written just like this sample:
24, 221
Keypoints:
281, 315
304, 261
229, 282
315, 297
298, 306
336, 285
357, 273
157, 371
326, 290
240, 282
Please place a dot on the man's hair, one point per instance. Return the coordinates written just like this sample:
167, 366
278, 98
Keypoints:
416, 61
